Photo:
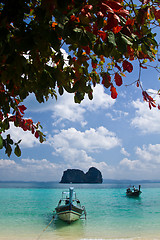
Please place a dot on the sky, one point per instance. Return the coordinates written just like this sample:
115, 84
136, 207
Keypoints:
119, 137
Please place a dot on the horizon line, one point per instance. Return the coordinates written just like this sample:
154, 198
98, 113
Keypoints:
104, 181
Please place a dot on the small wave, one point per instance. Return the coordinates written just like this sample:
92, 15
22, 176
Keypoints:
108, 238
134, 238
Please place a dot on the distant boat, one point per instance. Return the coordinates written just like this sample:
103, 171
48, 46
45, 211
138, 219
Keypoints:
133, 192
69, 208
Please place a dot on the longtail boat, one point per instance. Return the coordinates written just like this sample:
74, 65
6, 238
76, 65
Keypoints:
69, 208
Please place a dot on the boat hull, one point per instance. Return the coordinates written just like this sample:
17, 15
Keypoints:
69, 213
133, 194
68, 216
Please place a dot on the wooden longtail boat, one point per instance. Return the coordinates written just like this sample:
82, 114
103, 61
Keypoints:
69, 208
133, 192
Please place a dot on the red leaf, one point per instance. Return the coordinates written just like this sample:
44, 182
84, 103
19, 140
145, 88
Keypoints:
118, 79
12, 118
113, 4
130, 22
87, 49
29, 121
88, 7
153, 105
94, 65
24, 125
36, 134
106, 80
73, 17
103, 35
112, 21
17, 101
117, 29
113, 92
157, 14
85, 10
127, 66
22, 108
32, 130
1, 116
123, 12
105, 8
147, 97
143, 66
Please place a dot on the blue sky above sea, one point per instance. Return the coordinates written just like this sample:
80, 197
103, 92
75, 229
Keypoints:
119, 137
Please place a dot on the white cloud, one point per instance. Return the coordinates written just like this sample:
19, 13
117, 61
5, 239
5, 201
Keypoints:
101, 100
89, 140
44, 170
130, 164
28, 139
146, 165
30, 170
146, 120
6, 163
124, 152
43, 164
150, 153
118, 115
66, 109
76, 147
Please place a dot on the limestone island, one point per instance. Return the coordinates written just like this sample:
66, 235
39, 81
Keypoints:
78, 176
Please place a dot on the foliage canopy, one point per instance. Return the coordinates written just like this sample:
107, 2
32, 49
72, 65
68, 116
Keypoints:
32, 33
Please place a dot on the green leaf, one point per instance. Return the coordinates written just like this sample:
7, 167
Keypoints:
107, 49
8, 150
19, 141
122, 42
90, 95
111, 38
6, 124
1, 142
9, 140
126, 39
60, 90
98, 49
17, 151
78, 97
55, 41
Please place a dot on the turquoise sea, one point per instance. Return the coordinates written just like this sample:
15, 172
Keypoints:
26, 209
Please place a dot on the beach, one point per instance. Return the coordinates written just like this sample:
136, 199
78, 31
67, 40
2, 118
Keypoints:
26, 212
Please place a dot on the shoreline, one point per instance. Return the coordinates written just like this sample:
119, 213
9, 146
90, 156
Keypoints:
70, 238
51, 235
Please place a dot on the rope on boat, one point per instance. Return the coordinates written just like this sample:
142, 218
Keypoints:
45, 228
84, 212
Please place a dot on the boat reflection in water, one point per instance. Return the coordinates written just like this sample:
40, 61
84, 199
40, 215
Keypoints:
69, 208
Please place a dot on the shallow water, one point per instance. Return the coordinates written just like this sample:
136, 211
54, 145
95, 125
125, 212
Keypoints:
27, 209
